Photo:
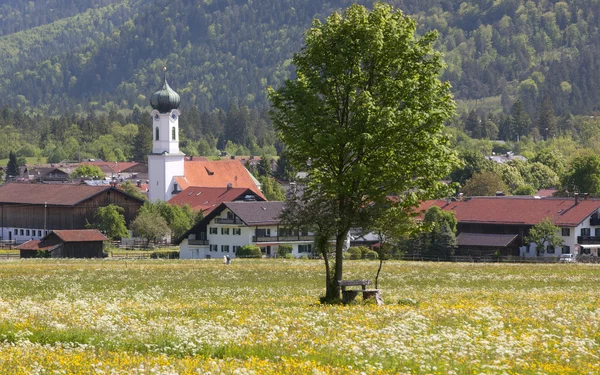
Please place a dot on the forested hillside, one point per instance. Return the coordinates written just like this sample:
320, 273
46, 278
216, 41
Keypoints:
63, 55
75, 76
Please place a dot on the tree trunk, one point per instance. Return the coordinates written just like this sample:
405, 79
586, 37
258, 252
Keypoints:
340, 239
378, 270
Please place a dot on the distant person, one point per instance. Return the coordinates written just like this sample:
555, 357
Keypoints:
228, 259
224, 259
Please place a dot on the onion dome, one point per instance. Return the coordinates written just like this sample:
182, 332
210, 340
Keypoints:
165, 99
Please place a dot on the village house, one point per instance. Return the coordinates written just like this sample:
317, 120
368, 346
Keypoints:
489, 225
235, 224
85, 243
30, 211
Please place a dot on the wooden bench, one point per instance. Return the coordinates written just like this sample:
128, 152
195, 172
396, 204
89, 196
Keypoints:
349, 295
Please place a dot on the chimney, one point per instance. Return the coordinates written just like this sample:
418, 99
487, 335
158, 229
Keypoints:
229, 186
139, 183
576, 198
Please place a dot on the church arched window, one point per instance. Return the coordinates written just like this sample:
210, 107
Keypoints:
173, 135
157, 134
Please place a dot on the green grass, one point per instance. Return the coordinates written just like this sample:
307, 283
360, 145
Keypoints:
264, 316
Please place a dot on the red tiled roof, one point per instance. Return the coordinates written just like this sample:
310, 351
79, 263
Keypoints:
207, 173
115, 167
208, 198
54, 194
79, 235
518, 210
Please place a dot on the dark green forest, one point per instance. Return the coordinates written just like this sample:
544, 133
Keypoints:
75, 76
65, 55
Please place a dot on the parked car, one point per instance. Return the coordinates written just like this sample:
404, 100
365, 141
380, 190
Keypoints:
567, 258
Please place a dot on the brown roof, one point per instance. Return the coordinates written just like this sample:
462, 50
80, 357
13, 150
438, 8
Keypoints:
34, 245
208, 198
112, 167
53, 194
481, 239
207, 173
79, 235
518, 210
257, 213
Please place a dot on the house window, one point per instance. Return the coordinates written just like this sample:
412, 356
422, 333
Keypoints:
214, 248
566, 232
173, 133
550, 249
224, 248
21, 232
157, 134
585, 231
304, 248
566, 249
225, 231
39, 233
213, 230
237, 231
597, 232
527, 248
235, 249
27, 232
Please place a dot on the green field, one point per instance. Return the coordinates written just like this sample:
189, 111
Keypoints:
262, 317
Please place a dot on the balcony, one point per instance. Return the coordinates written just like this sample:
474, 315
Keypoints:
198, 242
281, 238
588, 240
221, 220
594, 221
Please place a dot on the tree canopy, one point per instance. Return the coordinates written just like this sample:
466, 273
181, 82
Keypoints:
110, 221
364, 115
89, 171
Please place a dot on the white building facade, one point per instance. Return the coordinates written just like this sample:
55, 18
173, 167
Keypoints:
166, 161
236, 224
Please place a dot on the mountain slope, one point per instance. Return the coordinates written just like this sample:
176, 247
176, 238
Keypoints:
225, 52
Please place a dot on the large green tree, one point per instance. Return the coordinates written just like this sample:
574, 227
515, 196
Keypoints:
12, 168
544, 235
364, 115
87, 170
583, 175
110, 221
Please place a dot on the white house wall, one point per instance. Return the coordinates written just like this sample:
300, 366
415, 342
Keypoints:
245, 237
22, 234
570, 240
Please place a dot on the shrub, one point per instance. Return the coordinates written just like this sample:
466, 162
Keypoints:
353, 253
288, 256
371, 255
249, 251
170, 254
284, 250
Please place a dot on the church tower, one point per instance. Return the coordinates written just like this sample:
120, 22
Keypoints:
166, 161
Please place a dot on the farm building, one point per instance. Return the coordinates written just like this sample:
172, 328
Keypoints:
86, 243
488, 225
29, 211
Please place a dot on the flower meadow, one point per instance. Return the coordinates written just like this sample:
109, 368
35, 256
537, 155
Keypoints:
263, 317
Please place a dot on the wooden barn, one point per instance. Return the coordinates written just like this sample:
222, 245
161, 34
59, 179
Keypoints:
85, 243
30, 211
